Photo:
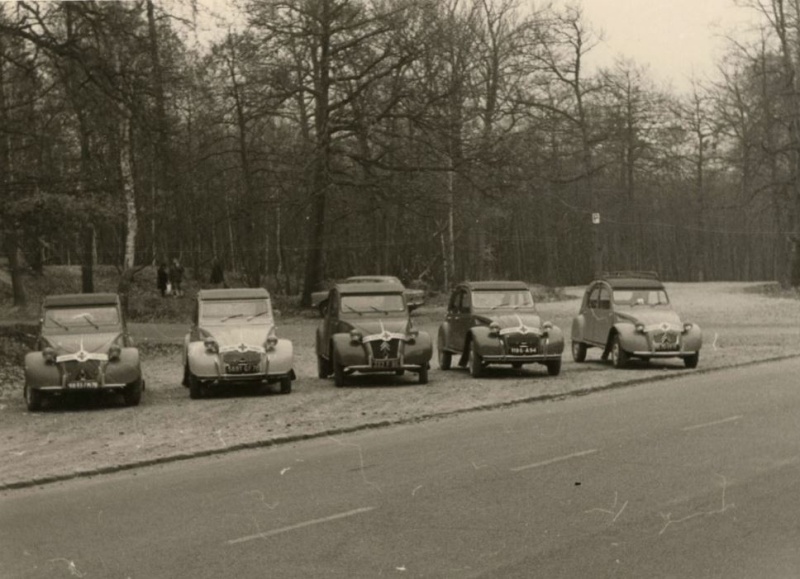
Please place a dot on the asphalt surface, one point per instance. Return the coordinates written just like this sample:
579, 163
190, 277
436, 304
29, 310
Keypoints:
692, 477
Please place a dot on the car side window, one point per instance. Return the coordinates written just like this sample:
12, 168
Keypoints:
594, 298
604, 302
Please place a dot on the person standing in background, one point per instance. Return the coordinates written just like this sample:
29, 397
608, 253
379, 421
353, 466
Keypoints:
176, 277
162, 278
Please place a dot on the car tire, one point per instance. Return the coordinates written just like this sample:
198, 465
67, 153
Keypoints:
423, 374
323, 367
619, 357
578, 351
553, 367
286, 385
400, 372
195, 387
338, 372
475, 361
691, 361
132, 393
445, 359
516, 365
33, 399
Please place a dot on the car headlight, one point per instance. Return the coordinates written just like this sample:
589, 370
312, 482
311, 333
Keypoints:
114, 352
494, 329
687, 327
412, 336
546, 327
271, 343
49, 355
212, 347
640, 328
355, 336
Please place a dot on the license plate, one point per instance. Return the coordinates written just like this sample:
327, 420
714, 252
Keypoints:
241, 368
667, 347
83, 385
522, 350
386, 363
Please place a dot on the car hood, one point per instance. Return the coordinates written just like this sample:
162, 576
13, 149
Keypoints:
523, 321
651, 318
238, 335
378, 326
94, 343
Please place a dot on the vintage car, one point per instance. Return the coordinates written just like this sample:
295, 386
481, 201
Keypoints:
233, 341
496, 322
628, 314
414, 297
367, 328
83, 345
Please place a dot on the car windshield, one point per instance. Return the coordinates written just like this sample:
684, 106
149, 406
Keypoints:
81, 318
383, 303
499, 300
640, 297
256, 311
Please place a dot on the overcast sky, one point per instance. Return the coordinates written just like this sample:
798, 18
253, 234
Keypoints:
674, 37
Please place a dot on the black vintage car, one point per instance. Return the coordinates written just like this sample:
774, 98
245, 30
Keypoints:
367, 328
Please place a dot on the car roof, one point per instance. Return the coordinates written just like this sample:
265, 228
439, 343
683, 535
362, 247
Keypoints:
233, 294
93, 299
369, 288
495, 285
632, 280
372, 279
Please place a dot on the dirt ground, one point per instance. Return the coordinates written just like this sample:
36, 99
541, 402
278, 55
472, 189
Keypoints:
90, 435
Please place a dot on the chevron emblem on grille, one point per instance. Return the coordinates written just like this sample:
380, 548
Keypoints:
385, 348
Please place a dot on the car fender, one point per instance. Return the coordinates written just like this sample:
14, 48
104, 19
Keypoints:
578, 328
38, 374
201, 362
629, 338
485, 343
126, 370
692, 340
443, 337
281, 359
346, 352
420, 351
554, 343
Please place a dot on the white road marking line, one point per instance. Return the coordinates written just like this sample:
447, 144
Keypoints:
555, 460
706, 424
266, 534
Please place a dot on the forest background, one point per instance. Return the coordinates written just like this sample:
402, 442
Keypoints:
433, 140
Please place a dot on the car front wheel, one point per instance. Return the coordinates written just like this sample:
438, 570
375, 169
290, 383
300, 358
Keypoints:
423, 374
553, 367
578, 351
475, 361
445, 358
691, 361
33, 399
195, 387
338, 372
132, 393
323, 367
619, 357
286, 385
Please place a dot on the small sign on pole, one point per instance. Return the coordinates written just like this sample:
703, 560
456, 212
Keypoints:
596, 218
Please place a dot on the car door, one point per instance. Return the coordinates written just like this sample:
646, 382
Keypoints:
603, 317
460, 319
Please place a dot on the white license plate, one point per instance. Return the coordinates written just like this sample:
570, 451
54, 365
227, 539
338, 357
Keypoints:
386, 363
241, 368
83, 385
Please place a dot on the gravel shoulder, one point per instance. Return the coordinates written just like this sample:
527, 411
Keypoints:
89, 436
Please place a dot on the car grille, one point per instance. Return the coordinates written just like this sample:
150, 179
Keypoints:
384, 349
241, 358
76, 371
521, 344
665, 340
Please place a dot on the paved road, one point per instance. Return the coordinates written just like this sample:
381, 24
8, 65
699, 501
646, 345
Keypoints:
696, 477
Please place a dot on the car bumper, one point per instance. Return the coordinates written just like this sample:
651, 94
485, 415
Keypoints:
367, 369
87, 387
531, 359
651, 354
245, 378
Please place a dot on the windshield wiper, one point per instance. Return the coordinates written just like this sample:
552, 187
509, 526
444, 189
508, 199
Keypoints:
226, 318
59, 324
384, 312
259, 314
88, 318
352, 309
